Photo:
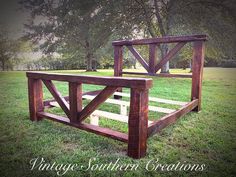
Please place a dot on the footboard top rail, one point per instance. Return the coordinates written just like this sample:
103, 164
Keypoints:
138, 83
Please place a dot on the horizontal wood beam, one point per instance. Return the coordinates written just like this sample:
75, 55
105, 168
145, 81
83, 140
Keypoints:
141, 83
166, 39
87, 127
168, 119
138, 57
161, 74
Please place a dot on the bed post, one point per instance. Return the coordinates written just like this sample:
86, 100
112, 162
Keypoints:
138, 123
35, 95
118, 64
197, 71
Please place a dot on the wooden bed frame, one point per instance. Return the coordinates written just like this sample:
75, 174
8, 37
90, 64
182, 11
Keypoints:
139, 127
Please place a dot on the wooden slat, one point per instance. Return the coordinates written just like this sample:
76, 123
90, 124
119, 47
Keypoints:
126, 103
160, 100
168, 119
138, 57
75, 100
169, 55
166, 39
118, 60
161, 74
99, 99
61, 101
141, 83
113, 116
90, 128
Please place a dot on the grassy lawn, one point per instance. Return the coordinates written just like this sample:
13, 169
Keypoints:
207, 137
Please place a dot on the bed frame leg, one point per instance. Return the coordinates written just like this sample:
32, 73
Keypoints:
138, 123
197, 70
35, 95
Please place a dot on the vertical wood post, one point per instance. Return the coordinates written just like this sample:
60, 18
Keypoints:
197, 71
152, 58
138, 123
35, 95
118, 65
75, 100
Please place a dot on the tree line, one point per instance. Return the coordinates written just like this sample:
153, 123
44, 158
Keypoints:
77, 34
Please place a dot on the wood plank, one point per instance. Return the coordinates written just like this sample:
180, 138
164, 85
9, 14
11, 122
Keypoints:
141, 83
75, 100
197, 70
90, 128
99, 99
158, 125
166, 39
118, 60
152, 58
35, 96
138, 123
138, 57
113, 116
160, 100
160, 74
169, 55
57, 95
126, 103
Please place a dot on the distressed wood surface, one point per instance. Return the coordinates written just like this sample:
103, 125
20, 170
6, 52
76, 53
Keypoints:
138, 123
166, 39
197, 70
58, 97
142, 83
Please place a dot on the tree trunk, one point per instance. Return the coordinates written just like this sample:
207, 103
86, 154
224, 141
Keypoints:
88, 57
164, 50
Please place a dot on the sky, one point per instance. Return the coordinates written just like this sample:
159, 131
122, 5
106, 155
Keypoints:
13, 18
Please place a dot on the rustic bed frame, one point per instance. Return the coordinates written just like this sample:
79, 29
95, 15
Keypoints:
139, 127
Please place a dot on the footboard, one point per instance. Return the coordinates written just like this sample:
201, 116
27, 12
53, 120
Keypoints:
76, 114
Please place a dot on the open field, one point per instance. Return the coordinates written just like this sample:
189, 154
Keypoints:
207, 137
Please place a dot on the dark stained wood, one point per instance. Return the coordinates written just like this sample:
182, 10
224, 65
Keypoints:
169, 55
161, 74
197, 71
35, 96
90, 128
167, 39
138, 123
152, 58
118, 60
61, 101
142, 83
75, 100
168, 119
99, 99
138, 57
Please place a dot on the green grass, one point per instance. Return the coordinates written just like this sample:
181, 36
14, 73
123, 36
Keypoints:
207, 137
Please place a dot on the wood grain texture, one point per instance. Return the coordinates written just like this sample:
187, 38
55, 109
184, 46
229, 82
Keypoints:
166, 39
61, 101
152, 58
99, 99
169, 55
168, 119
197, 72
138, 123
75, 100
35, 96
138, 57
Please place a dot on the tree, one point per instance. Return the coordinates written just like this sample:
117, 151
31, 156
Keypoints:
70, 27
8, 51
